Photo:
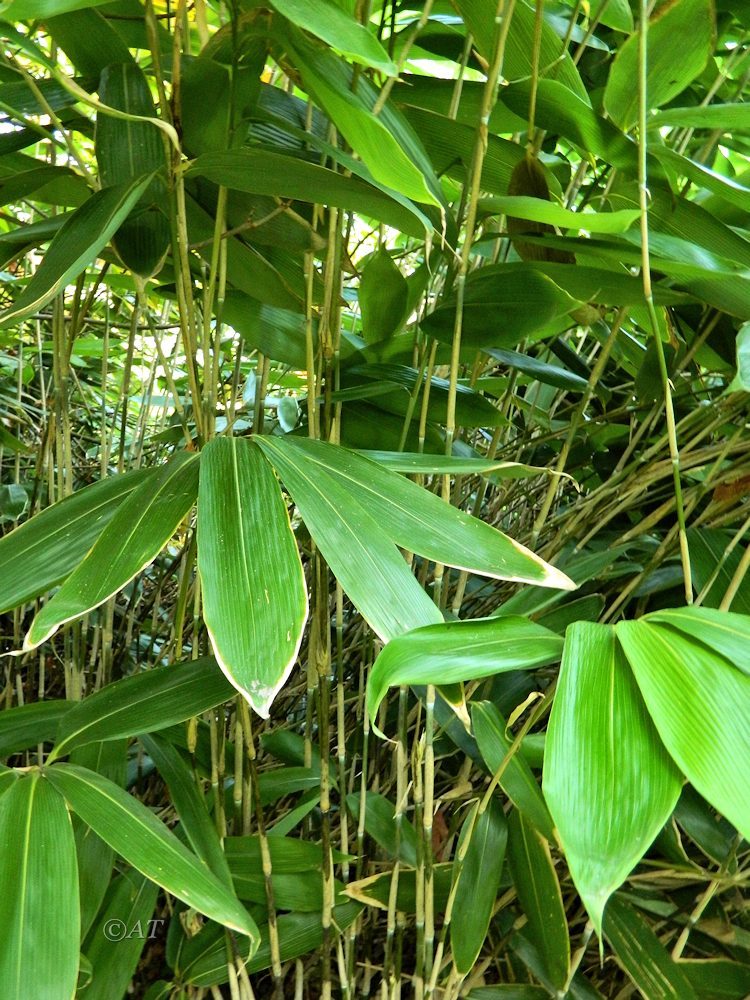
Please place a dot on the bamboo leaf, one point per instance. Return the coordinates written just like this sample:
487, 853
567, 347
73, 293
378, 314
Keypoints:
147, 844
517, 781
537, 210
26, 725
700, 705
539, 894
460, 651
383, 294
478, 883
681, 37
254, 591
604, 761
419, 521
143, 703
83, 236
39, 903
363, 559
136, 534
643, 956
724, 632
327, 21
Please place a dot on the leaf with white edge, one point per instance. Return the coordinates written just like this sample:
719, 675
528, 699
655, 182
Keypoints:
139, 530
460, 651
725, 632
363, 559
418, 520
148, 845
604, 761
252, 582
83, 236
144, 702
700, 705
39, 907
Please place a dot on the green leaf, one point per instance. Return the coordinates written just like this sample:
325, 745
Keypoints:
743, 357
727, 117
537, 210
517, 781
148, 845
300, 934
128, 908
327, 21
724, 632
714, 567
681, 37
700, 704
460, 651
83, 236
143, 703
26, 725
253, 586
269, 172
126, 149
539, 894
367, 564
527, 300
603, 762
45, 549
413, 463
478, 883
380, 824
418, 520
642, 955
540, 370
39, 903
136, 534
88, 40
383, 294
37, 10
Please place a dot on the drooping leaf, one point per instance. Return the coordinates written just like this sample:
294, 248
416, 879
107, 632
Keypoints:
147, 844
144, 702
604, 761
539, 894
364, 560
416, 519
478, 883
460, 651
700, 704
253, 585
82, 237
383, 296
681, 36
39, 903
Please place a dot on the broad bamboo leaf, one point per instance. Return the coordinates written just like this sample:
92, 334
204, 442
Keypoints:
253, 587
416, 519
609, 783
478, 883
143, 703
714, 568
299, 934
129, 909
363, 559
380, 824
539, 894
47, 547
517, 781
273, 173
39, 902
460, 651
681, 37
728, 117
26, 725
126, 149
643, 956
724, 632
327, 21
700, 704
148, 845
136, 534
20, 10
543, 371
414, 463
383, 294
89, 41
83, 236
201, 960
389, 148
501, 307
537, 210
